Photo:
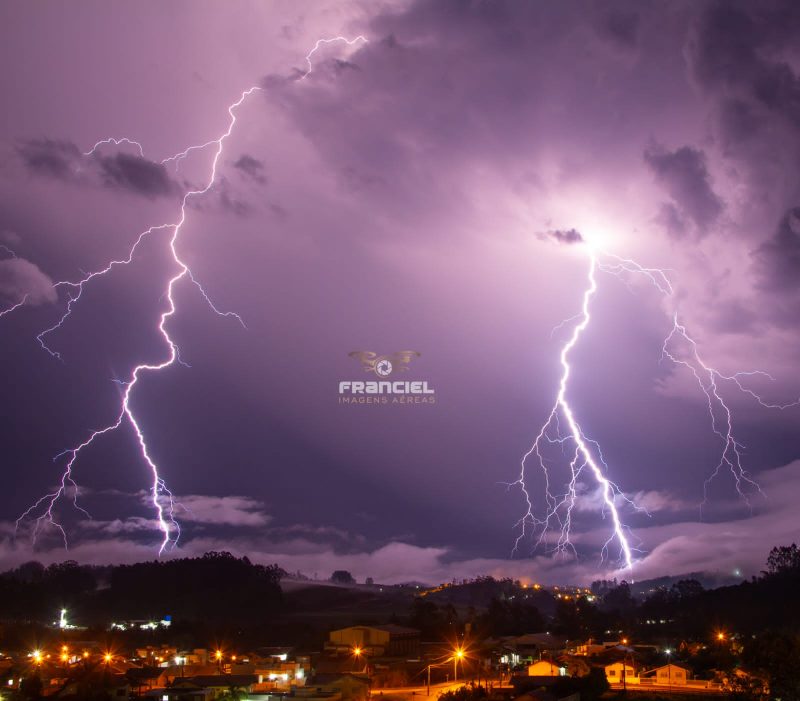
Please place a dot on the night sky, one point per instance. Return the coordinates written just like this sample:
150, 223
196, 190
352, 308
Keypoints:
439, 187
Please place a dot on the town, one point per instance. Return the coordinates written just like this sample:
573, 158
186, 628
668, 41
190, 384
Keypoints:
242, 631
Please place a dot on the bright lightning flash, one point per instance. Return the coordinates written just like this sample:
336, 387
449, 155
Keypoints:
563, 430
42, 512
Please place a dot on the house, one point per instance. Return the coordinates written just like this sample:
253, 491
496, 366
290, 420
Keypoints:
546, 668
516, 650
669, 675
591, 648
205, 687
348, 687
182, 671
143, 678
114, 686
621, 673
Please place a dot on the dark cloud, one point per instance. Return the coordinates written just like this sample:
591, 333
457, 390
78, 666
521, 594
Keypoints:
740, 47
50, 157
739, 121
620, 26
221, 198
778, 260
564, 236
251, 167
63, 160
684, 175
137, 175
671, 220
744, 56
734, 316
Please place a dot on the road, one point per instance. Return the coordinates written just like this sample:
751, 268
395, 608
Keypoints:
664, 689
420, 693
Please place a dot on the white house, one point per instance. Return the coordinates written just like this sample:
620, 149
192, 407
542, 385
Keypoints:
619, 671
545, 668
670, 675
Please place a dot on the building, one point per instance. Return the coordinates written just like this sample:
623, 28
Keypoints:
669, 675
205, 687
591, 648
545, 668
375, 641
621, 673
348, 687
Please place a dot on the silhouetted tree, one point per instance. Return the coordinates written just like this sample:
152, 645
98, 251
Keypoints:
342, 577
784, 559
776, 657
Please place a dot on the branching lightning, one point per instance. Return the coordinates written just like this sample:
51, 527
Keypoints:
580, 452
42, 512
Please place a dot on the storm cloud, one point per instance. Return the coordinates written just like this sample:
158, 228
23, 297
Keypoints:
394, 198
685, 178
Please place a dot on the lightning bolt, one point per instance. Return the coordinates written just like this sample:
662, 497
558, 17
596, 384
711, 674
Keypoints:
322, 42
585, 453
14, 307
580, 453
42, 512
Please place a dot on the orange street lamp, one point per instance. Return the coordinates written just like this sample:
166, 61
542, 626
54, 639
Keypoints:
37, 656
720, 636
458, 655
108, 657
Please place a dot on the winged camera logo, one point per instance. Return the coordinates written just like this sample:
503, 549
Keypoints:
384, 365
386, 389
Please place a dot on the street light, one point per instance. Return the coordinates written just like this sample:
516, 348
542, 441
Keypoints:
37, 656
358, 652
457, 655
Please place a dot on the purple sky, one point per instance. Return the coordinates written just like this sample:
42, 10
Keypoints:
404, 195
